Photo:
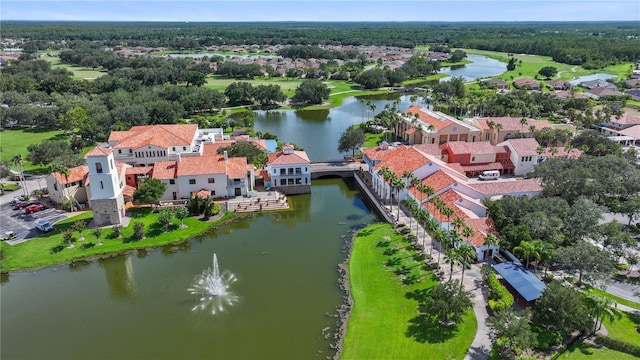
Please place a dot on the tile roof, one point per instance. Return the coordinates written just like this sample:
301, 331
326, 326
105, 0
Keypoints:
78, 173
482, 167
403, 158
523, 147
562, 152
438, 122
633, 131
626, 119
376, 153
165, 169
128, 190
474, 148
98, 151
449, 198
498, 187
439, 180
513, 124
202, 193
236, 167
212, 149
201, 165
482, 227
139, 170
163, 136
429, 149
297, 157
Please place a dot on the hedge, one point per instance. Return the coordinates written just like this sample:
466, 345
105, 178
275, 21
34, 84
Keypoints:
499, 297
618, 345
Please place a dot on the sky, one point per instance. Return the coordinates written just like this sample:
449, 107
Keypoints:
327, 10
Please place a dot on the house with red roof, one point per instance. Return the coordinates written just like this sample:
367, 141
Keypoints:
474, 158
523, 154
289, 171
526, 83
72, 186
499, 129
423, 126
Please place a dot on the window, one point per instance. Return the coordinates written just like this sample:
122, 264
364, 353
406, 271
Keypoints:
55, 186
111, 163
101, 185
130, 151
119, 151
172, 182
473, 158
298, 171
298, 181
211, 180
173, 148
290, 171
99, 168
275, 171
192, 181
283, 172
184, 148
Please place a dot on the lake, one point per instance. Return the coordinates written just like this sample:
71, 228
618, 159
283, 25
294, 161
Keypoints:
601, 76
480, 67
137, 305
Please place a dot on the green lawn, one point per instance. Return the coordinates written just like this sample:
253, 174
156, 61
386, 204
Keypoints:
582, 351
372, 140
79, 72
617, 299
37, 252
385, 322
14, 142
623, 328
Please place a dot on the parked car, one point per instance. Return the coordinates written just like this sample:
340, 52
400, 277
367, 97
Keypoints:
9, 235
21, 205
17, 199
33, 208
43, 225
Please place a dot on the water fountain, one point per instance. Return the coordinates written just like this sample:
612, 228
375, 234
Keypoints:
213, 289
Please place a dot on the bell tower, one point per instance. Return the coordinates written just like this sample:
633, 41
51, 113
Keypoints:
106, 198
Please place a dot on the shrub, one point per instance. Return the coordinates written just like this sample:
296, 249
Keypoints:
619, 345
499, 297
622, 267
88, 246
138, 230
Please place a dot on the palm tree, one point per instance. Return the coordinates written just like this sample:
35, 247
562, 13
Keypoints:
412, 206
540, 150
468, 233
440, 236
398, 185
491, 239
17, 161
498, 127
466, 252
447, 211
600, 308
458, 223
372, 106
451, 257
523, 122
386, 176
62, 170
546, 254
529, 251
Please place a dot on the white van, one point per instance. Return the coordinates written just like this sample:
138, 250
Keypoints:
490, 175
43, 225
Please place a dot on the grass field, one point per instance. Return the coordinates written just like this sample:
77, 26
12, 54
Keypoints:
79, 73
623, 328
531, 64
385, 322
14, 142
37, 252
582, 351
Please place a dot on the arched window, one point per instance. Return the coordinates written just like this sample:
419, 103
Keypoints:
99, 168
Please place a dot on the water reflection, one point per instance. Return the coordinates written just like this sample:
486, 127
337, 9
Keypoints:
119, 273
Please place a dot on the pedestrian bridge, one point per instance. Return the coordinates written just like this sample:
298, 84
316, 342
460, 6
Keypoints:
342, 169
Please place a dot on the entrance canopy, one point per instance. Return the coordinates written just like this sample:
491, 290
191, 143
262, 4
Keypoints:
521, 279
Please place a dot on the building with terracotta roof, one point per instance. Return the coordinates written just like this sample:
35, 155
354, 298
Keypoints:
144, 145
625, 121
526, 83
523, 154
474, 158
73, 186
499, 129
289, 171
424, 126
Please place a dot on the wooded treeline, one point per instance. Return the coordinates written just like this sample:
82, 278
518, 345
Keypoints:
590, 44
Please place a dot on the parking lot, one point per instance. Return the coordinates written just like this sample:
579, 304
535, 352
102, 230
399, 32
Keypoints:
23, 224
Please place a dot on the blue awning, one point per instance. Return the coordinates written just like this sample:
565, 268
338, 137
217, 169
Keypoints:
521, 279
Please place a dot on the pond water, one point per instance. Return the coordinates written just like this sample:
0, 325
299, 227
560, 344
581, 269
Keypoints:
480, 67
596, 76
137, 305
318, 131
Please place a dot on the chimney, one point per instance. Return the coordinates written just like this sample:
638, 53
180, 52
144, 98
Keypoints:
226, 155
